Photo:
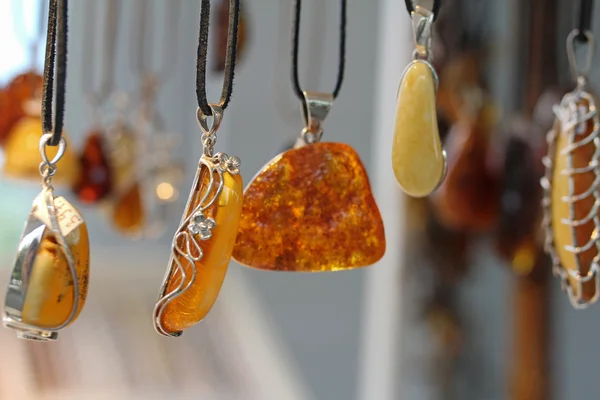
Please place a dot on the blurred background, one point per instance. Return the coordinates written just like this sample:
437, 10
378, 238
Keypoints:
462, 306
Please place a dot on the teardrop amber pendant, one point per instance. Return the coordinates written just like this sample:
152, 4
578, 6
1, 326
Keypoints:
95, 181
418, 160
23, 156
44, 295
573, 196
310, 209
202, 247
128, 212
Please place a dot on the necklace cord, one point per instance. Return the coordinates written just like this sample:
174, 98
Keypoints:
295, 50
56, 57
232, 38
585, 20
410, 7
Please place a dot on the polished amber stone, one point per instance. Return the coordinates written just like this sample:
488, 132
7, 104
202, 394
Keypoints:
25, 87
311, 209
49, 300
128, 211
561, 209
417, 155
22, 155
10, 113
194, 304
95, 180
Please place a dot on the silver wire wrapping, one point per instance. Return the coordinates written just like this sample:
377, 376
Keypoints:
576, 111
195, 227
49, 216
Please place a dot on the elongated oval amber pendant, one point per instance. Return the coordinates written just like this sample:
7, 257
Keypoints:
95, 182
418, 160
310, 209
202, 246
48, 285
22, 154
128, 211
573, 196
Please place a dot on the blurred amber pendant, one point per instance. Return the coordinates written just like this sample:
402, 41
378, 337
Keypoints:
15, 99
48, 285
222, 10
204, 240
95, 181
418, 160
311, 209
572, 195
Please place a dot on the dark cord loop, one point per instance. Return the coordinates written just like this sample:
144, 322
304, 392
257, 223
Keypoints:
585, 19
295, 45
232, 38
56, 56
410, 7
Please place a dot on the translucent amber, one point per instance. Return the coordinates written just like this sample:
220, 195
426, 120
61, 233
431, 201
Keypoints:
95, 180
310, 209
23, 155
194, 304
128, 212
25, 87
561, 209
10, 113
417, 154
49, 300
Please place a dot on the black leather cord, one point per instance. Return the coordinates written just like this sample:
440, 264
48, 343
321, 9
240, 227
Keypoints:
585, 19
295, 46
410, 7
56, 56
232, 37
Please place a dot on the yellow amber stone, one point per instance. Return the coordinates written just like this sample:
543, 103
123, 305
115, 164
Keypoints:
561, 209
193, 305
49, 299
418, 159
128, 212
23, 156
311, 209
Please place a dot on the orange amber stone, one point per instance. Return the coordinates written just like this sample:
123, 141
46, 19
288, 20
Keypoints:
311, 209
95, 181
128, 212
210, 244
25, 87
10, 113
566, 185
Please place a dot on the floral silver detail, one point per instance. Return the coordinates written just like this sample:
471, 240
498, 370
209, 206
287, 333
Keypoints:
201, 225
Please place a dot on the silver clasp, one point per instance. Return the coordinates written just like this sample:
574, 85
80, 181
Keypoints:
422, 20
315, 108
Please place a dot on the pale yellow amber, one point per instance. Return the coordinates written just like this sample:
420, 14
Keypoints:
23, 155
561, 209
49, 300
417, 155
194, 304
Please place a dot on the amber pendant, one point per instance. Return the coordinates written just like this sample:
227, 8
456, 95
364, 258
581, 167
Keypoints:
310, 209
95, 181
572, 196
204, 240
48, 285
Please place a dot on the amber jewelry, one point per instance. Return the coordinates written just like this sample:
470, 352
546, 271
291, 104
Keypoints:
311, 208
203, 242
572, 186
418, 159
48, 284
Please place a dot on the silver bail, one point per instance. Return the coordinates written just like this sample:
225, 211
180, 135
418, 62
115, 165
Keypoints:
315, 109
422, 21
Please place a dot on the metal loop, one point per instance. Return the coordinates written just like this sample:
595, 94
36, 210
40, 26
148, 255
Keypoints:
577, 72
62, 146
422, 21
217, 117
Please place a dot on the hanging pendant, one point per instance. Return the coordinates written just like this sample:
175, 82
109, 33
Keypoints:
95, 181
204, 240
311, 208
571, 190
418, 159
48, 285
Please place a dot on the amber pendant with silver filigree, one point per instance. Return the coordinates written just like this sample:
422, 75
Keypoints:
203, 242
48, 285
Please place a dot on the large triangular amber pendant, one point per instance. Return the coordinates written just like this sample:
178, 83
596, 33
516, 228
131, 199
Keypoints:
572, 196
310, 209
